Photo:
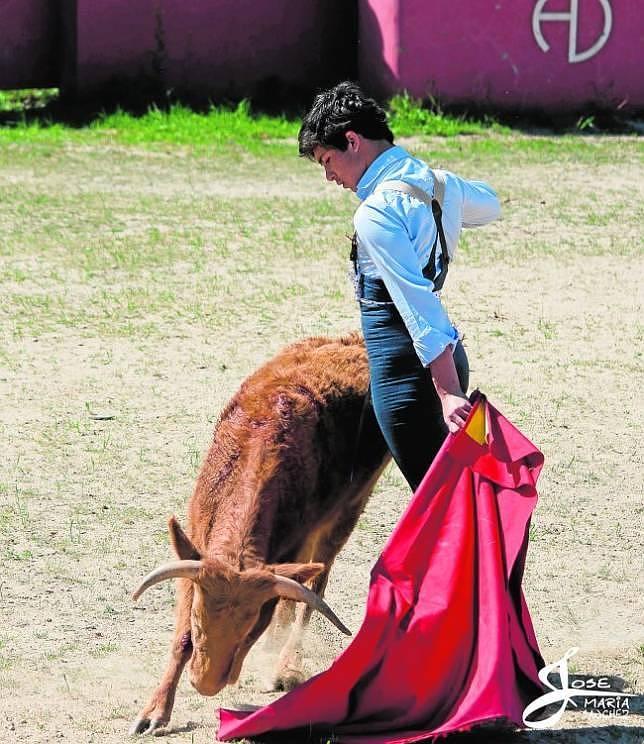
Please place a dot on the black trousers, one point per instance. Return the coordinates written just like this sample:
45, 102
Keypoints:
403, 395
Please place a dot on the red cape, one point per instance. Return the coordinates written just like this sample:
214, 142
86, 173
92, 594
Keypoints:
447, 640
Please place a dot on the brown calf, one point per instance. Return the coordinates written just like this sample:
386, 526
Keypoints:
278, 494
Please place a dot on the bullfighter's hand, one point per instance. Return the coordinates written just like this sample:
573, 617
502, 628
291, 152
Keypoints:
448, 387
456, 409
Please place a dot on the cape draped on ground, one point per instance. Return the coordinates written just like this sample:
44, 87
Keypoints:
447, 641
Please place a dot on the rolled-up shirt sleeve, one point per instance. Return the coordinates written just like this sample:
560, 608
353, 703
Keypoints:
480, 203
384, 237
467, 204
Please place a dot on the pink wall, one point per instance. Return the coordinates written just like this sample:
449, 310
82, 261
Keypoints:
463, 51
487, 51
28, 44
216, 47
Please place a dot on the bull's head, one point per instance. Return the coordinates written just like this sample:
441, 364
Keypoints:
226, 615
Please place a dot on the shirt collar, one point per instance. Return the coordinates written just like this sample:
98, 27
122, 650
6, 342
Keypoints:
377, 171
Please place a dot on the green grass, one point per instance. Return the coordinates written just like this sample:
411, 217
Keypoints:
408, 118
227, 130
181, 126
219, 126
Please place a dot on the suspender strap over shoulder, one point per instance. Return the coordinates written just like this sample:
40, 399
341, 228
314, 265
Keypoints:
436, 205
439, 186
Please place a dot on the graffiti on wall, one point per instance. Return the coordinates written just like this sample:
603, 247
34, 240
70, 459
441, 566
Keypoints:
572, 17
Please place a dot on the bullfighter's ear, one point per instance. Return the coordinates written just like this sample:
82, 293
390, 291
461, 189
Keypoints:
181, 544
298, 571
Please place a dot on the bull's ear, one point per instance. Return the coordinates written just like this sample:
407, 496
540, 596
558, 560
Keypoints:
300, 572
181, 544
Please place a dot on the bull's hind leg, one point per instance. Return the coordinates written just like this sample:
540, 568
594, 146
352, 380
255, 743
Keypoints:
156, 714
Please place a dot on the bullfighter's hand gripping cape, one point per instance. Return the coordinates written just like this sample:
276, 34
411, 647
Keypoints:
447, 641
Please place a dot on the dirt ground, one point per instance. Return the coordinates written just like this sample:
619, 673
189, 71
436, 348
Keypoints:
144, 285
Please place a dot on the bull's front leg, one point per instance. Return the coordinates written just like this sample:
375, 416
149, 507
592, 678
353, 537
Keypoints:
322, 547
288, 672
156, 714
280, 626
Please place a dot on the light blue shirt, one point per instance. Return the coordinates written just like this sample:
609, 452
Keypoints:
396, 232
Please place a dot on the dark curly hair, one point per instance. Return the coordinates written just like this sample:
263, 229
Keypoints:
342, 109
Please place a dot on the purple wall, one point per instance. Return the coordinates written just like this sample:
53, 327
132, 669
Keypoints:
494, 51
28, 34
218, 47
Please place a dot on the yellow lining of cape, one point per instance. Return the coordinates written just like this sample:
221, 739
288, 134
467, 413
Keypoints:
475, 427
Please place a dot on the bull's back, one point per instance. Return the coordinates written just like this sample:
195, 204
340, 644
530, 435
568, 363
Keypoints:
299, 430
336, 444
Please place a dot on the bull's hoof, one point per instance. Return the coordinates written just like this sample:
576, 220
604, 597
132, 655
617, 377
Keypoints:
287, 679
148, 726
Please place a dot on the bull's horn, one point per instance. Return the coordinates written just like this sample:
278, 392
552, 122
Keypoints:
291, 589
171, 570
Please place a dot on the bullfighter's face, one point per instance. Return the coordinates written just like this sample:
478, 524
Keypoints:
344, 167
